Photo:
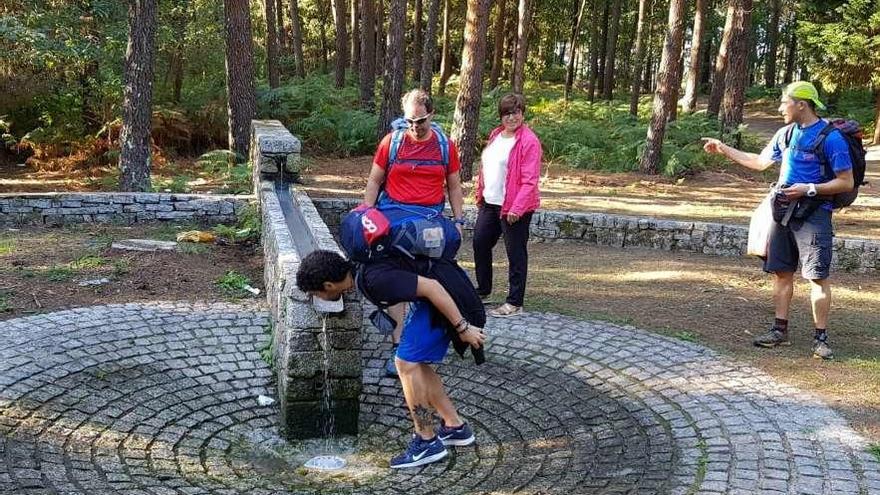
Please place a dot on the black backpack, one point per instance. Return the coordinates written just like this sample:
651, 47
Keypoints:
852, 134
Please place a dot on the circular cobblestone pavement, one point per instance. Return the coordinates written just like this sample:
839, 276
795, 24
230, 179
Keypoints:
159, 399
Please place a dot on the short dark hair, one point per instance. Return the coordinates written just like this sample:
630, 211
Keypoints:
321, 266
511, 102
419, 97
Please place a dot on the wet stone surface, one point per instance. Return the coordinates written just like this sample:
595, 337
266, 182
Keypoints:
161, 399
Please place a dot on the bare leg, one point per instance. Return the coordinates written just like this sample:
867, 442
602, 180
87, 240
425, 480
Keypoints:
783, 288
398, 312
423, 391
820, 299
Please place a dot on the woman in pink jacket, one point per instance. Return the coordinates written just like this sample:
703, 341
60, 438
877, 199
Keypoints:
507, 196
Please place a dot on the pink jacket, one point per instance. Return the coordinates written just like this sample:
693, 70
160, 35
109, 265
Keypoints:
521, 193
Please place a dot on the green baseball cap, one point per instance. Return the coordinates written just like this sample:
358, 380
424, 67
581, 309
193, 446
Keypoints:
804, 90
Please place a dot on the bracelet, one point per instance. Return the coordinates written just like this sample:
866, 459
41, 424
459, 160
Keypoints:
461, 323
467, 327
459, 221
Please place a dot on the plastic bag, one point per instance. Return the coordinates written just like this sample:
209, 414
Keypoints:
196, 236
759, 227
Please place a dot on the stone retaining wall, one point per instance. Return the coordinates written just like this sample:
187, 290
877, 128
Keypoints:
604, 229
298, 345
17, 209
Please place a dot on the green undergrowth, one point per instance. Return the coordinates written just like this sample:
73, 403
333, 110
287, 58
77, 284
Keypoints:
875, 450
232, 284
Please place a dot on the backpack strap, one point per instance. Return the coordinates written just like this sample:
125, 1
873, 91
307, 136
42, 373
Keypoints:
444, 146
786, 140
818, 149
396, 140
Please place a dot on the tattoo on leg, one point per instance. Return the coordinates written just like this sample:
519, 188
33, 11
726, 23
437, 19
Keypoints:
423, 417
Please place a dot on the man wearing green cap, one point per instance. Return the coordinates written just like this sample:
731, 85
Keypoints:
804, 236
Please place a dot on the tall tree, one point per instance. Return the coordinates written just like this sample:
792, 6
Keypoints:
283, 39
381, 38
572, 48
772, 44
636, 83
611, 50
445, 59
241, 99
664, 97
417, 45
341, 41
271, 43
355, 57
718, 79
790, 51
430, 47
134, 138
692, 85
392, 87
594, 53
465, 121
737, 75
296, 34
498, 52
368, 56
522, 45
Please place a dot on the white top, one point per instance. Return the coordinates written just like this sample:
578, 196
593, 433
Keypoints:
494, 160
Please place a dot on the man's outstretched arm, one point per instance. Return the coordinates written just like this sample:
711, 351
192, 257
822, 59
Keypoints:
434, 292
753, 161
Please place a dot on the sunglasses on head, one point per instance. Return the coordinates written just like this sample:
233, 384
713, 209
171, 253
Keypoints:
418, 121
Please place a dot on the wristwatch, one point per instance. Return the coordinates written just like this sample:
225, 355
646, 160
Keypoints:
812, 190
460, 221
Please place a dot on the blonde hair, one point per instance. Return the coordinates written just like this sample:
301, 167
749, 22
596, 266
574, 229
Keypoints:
418, 97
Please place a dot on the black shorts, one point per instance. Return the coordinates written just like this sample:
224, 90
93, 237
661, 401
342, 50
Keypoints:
807, 241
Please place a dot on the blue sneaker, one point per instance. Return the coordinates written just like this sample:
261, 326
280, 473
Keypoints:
390, 367
458, 436
420, 452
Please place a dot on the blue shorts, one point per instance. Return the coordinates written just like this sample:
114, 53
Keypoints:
421, 341
808, 241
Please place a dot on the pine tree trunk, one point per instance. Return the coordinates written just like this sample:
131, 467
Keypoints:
706, 64
647, 77
676, 89
498, 52
772, 45
342, 48
594, 54
417, 45
670, 63
522, 45
393, 80
134, 138
737, 69
239, 75
90, 75
611, 51
718, 79
430, 47
296, 34
637, 59
572, 49
271, 44
381, 38
692, 86
603, 47
355, 56
790, 52
368, 56
283, 39
465, 121
445, 62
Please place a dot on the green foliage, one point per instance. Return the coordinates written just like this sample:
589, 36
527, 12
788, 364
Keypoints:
7, 246
247, 229
88, 262
5, 305
325, 118
59, 273
685, 336
841, 47
874, 449
267, 352
192, 248
232, 284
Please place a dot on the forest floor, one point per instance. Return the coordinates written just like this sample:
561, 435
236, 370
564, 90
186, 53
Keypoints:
717, 301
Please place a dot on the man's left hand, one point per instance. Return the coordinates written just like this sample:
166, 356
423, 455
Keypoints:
796, 191
512, 218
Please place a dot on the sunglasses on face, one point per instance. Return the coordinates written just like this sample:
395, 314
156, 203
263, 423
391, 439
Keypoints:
512, 113
418, 121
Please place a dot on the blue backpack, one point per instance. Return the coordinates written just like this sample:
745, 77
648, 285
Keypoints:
369, 233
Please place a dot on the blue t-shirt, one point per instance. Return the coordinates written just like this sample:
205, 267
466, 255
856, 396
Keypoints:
798, 164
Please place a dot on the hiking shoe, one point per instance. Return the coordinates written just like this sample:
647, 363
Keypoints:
821, 349
420, 452
506, 310
390, 367
772, 338
457, 436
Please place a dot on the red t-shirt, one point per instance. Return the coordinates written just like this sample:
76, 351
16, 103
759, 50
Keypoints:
416, 184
